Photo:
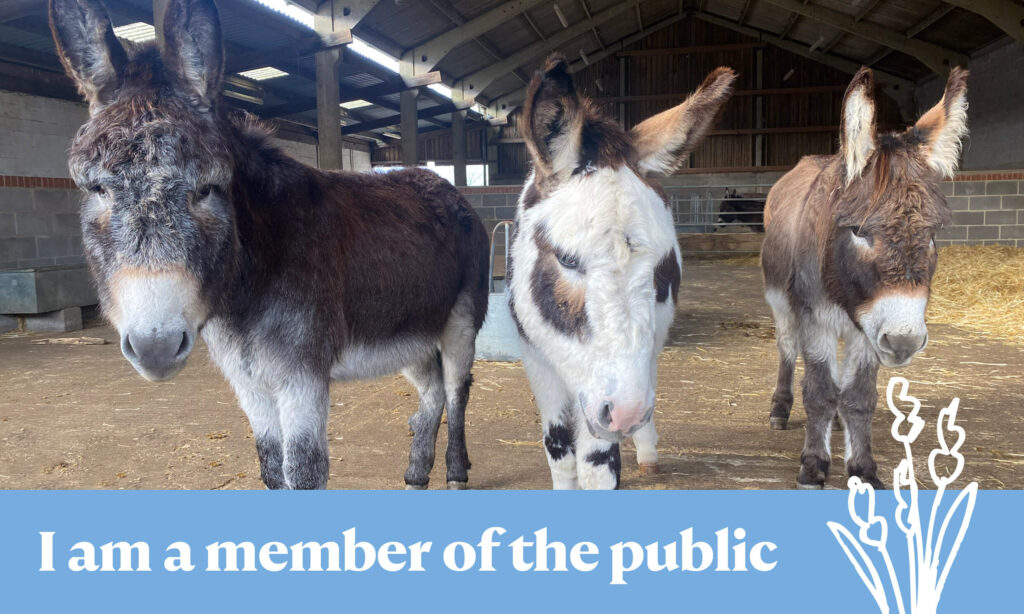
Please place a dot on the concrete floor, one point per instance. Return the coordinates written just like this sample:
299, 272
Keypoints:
79, 416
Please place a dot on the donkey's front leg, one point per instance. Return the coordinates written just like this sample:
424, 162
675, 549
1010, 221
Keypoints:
258, 405
646, 438
857, 403
303, 401
558, 420
598, 462
820, 398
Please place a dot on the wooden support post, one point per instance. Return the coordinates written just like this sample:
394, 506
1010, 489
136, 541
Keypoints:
622, 92
759, 149
328, 95
410, 128
328, 109
459, 146
159, 10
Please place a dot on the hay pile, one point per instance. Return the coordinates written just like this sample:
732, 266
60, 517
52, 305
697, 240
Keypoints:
980, 289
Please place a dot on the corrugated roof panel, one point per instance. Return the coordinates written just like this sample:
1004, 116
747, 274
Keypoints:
26, 40
407, 24
904, 66
900, 15
962, 30
768, 17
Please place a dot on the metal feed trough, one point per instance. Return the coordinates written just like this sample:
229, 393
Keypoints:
45, 299
498, 340
45, 289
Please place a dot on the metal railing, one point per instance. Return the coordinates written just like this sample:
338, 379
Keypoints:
506, 226
711, 208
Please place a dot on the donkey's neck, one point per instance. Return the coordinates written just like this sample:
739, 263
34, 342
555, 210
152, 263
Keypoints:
270, 194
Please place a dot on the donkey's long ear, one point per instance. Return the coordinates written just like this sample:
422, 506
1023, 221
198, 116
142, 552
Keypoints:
857, 129
661, 142
944, 126
552, 119
88, 49
193, 48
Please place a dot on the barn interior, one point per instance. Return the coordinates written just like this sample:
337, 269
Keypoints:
372, 85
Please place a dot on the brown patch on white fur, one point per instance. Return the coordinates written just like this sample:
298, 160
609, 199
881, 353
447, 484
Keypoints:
571, 298
560, 302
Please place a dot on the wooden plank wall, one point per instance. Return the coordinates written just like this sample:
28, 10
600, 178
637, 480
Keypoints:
661, 69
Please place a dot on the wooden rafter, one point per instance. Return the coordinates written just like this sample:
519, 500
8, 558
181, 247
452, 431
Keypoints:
938, 59
916, 29
426, 55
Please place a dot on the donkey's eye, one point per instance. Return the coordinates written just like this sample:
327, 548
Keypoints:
98, 189
205, 191
861, 238
569, 262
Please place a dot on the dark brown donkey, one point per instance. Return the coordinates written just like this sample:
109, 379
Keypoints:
193, 223
849, 253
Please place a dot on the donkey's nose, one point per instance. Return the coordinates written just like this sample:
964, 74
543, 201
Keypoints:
624, 416
157, 355
903, 347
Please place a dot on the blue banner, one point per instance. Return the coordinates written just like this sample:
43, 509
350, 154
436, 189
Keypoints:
712, 551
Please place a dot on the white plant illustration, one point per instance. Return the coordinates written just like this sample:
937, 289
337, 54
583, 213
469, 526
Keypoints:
928, 569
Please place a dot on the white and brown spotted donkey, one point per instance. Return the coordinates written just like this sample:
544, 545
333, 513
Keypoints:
595, 269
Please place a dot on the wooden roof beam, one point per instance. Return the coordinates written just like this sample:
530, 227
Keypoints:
1007, 15
505, 103
899, 89
917, 28
471, 85
425, 56
938, 59
369, 94
861, 14
745, 11
456, 17
394, 120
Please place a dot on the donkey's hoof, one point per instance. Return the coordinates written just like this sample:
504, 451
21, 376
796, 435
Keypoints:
415, 486
778, 423
802, 486
649, 469
456, 485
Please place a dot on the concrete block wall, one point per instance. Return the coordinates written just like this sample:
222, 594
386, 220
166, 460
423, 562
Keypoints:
36, 133
988, 209
39, 224
493, 203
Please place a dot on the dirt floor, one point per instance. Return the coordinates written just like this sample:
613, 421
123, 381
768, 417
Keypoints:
80, 417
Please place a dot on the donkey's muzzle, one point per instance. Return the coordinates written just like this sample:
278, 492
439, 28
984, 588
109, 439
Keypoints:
157, 355
899, 349
615, 422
